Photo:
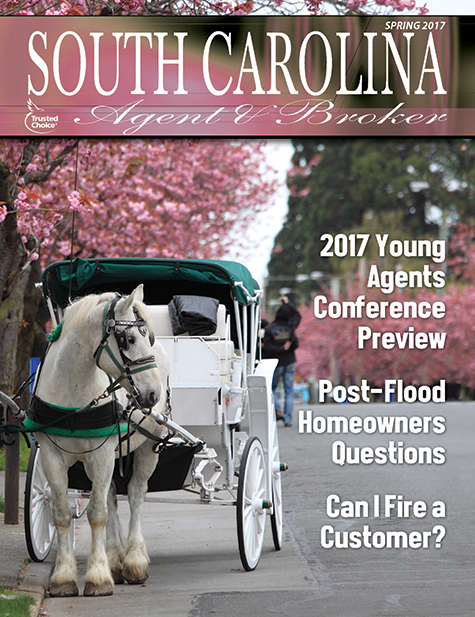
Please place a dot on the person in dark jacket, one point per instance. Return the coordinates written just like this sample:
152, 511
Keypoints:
280, 341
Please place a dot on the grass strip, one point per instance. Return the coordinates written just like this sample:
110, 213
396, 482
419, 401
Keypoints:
14, 604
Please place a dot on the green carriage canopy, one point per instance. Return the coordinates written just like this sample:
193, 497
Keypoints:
162, 278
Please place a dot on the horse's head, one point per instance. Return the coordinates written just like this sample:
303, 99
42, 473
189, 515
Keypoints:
128, 342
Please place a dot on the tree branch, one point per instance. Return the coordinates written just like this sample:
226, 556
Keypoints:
35, 177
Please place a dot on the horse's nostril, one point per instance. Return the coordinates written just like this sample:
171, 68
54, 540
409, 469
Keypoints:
152, 398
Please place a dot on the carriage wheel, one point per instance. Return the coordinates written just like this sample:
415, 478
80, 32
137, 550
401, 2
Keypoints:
251, 503
277, 467
39, 526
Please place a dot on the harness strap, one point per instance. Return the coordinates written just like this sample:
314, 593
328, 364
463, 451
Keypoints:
159, 441
87, 418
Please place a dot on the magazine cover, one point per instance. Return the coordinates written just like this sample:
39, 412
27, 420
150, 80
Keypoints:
237, 276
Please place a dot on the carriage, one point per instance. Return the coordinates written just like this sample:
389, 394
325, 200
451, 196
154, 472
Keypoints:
206, 316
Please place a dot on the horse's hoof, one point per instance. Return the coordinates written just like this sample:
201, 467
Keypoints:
117, 576
134, 581
104, 589
63, 590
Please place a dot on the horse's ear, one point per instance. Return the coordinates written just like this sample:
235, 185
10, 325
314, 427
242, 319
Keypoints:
135, 296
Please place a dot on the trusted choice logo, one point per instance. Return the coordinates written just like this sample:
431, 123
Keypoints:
37, 121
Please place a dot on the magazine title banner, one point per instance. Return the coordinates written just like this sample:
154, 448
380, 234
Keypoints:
255, 76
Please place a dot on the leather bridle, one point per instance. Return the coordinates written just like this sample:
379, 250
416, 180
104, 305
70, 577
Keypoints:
126, 365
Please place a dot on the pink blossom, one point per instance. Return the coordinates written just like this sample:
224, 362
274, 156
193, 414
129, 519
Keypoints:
329, 343
74, 200
149, 197
216, 7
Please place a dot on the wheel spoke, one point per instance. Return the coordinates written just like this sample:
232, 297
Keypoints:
36, 500
251, 516
39, 527
276, 516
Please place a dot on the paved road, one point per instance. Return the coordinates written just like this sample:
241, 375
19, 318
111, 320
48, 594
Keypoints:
369, 582
195, 567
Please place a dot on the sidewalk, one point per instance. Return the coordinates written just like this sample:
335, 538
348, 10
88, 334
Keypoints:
13, 549
195, 567
16, 570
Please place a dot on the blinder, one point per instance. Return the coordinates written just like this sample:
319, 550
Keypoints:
123, 340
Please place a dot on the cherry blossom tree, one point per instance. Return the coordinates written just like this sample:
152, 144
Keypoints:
148, 198
211, 7
462, 252
328, 347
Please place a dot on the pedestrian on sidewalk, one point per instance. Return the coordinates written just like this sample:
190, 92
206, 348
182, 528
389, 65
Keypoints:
280, 341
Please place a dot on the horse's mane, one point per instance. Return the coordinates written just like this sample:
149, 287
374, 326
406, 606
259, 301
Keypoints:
78, 311
81, 308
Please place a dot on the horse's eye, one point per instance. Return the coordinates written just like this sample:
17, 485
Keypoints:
130, 340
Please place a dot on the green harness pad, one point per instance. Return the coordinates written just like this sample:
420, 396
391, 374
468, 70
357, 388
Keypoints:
56, 333
33, 426
100, 421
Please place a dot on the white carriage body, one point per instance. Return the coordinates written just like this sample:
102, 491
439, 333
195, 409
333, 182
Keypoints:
210, 394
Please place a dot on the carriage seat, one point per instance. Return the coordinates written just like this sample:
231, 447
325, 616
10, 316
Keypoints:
199, 368
219, 342
162, 326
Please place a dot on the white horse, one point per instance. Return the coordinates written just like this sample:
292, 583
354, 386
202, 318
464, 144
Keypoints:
105, 342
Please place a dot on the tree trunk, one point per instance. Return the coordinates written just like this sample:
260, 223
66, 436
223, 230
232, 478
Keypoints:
11, 324
13, 281
32, 338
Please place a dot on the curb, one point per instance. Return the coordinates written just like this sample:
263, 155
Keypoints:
36, 583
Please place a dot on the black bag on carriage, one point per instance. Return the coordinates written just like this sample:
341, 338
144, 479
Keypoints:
196, 315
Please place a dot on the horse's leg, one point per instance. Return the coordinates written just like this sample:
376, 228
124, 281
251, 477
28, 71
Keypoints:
114, 541
64, 578
135, 569
98, 579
